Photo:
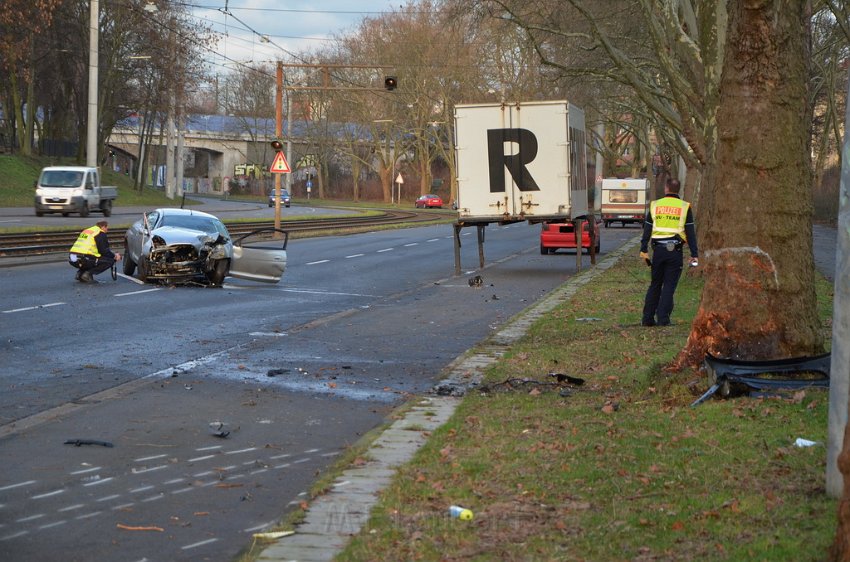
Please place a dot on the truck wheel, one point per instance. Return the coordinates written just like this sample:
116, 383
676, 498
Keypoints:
84, 211
218, 273
129, 265
106, 207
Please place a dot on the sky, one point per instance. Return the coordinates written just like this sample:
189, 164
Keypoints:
289, 25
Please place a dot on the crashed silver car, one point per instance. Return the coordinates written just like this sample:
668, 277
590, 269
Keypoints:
187, 246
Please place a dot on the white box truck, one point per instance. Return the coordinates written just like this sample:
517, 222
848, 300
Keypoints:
624, 200
520, 161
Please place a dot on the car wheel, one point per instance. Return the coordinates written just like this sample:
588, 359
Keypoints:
543, 249
287, 206
143, 269
129, 265
84, 211
65, 214
106, 207
39, 214
218, 273
271, 204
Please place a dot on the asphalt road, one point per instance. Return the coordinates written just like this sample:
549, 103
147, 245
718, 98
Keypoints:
296, 372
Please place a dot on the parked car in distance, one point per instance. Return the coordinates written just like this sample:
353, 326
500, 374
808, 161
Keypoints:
284, 198
187, 246
429, 201
554, 235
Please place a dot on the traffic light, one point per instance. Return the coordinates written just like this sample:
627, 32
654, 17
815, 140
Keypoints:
390, 82
277, 144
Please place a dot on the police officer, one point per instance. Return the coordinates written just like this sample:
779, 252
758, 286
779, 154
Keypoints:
668, 225
91, 254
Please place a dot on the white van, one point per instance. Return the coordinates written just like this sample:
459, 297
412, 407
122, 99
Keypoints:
624, 200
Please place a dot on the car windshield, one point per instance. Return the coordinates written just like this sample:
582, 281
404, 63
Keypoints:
61, 178
195, 222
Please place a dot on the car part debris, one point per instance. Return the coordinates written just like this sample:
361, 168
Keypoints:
476, 281
730, 377
139, 528
78, 442
218, 429
276, 372
273, 535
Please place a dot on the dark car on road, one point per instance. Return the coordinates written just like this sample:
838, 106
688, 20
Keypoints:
284, 198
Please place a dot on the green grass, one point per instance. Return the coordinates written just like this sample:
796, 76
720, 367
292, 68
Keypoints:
622, 468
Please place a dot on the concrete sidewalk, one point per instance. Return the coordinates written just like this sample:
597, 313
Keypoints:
333, 518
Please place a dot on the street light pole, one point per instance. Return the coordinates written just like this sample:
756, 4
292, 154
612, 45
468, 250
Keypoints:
91, 131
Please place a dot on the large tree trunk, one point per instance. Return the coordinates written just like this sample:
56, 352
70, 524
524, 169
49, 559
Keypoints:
756, 225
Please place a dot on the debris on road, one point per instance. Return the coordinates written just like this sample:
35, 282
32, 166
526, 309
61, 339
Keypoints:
78, 442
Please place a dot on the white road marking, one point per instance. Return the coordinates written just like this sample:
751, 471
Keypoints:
411, 244
308, 451
196, 459
123, 506
18, 485
153, 498
130, 294
317, 262
197, 544
88, 515
48, 305
107, 498
143, 459
47, 494
210, 448
14, 536
142, 489
275, 457
240, 451
97, 482
133, 279
151, 469
71, 508
182, 490
354, 256
268, 334
30, 518
51, 525
386, 250
85, 470
11, 220
433, 240
174, 481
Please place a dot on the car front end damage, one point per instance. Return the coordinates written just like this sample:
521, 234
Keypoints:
183, 261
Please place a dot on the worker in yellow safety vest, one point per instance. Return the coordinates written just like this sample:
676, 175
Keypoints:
668, 226
91, 254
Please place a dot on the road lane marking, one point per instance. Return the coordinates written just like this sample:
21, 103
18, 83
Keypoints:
197, 544
142, 489
48, 494
84, 470
107, 498
210, 448
98, 482
332, 293
71, 508
385, 250
130, 278
29, 518
411, 244
354, 256
434, 240
48, 305
51, 525
14, 536
151, 469
149, 458
196, 459
88, 515
18, 485
130, 294
248, 450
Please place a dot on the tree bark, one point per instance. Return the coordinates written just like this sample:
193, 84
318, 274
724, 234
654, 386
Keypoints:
755, 227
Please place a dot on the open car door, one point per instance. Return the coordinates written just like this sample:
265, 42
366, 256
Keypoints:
256, 257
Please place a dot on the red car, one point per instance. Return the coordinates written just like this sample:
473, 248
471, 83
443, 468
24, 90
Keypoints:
429, 201
556, 235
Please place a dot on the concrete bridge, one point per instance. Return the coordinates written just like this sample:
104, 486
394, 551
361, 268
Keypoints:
216, 149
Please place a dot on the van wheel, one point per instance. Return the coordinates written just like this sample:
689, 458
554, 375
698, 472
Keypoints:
106, 207
84, 212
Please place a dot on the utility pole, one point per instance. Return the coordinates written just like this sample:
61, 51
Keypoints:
278, 129
91, 130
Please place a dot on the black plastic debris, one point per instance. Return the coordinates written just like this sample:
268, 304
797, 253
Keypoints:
476, 281
276, 372
561, 377
79, 442
730, 377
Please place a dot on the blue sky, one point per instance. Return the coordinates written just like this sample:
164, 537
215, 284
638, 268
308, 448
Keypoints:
289, 25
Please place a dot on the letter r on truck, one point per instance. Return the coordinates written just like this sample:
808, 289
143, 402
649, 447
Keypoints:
515, 162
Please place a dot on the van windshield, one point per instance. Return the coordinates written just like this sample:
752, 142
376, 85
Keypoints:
60, 178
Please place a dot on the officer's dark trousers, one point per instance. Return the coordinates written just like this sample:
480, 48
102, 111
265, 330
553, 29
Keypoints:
666, 270
93, 264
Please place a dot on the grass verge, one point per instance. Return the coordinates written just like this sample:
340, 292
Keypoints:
620, 468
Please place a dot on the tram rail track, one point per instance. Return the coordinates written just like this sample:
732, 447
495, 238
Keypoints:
29, 244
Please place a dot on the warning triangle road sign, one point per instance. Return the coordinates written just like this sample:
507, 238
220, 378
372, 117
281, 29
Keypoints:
279, 164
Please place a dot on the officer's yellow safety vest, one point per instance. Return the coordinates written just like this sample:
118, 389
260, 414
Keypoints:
86, 243
668, 217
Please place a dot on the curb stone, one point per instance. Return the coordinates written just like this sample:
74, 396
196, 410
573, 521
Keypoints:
344, 511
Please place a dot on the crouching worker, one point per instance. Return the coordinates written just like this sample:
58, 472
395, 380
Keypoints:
91, 254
